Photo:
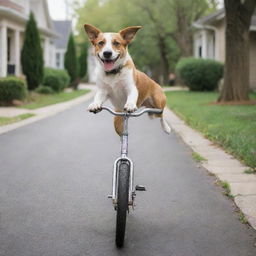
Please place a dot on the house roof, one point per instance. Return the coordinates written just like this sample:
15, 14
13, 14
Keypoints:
218, 15
63, 28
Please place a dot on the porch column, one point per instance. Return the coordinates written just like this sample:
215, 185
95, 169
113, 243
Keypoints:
46, 51
217, 41
17, 52
3, 49
204, 44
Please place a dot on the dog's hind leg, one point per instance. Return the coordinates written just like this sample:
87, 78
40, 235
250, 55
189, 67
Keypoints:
118, 123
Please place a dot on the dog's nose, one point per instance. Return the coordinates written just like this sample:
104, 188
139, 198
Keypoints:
107, 54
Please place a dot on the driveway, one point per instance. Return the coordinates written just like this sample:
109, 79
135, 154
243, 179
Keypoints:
55, 175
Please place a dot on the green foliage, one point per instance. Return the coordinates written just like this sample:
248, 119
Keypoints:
56, 79
32, 55
200, 74
40, 100
10, 120
44, 90
243, 218
198, 158
158, 19
82, 60
12, 88
250, 171
227, 189
70, 62
231, 127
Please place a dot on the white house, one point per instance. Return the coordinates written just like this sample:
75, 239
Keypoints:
13, 17
209, 40
63, 28
91, 65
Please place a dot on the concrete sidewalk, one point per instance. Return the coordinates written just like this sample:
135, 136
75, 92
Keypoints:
41, 113
224, 166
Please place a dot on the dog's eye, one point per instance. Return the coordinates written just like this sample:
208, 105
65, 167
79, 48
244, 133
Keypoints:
101, 43
115, 43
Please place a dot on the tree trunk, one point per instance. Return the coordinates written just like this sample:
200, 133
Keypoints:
164, 60
183, 34
236, 75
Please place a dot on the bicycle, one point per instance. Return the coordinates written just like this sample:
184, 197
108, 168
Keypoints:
123, 191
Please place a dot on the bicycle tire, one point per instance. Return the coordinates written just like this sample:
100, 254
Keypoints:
122, 203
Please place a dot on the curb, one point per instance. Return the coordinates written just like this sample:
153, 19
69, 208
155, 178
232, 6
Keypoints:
47, 111
223, 165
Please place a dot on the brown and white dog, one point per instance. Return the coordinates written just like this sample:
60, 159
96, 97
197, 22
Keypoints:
117, 78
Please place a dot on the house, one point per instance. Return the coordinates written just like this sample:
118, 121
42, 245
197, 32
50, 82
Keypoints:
13, 17
91, 65
63, 28
209, 40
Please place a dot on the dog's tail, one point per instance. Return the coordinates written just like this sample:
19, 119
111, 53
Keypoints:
165, 125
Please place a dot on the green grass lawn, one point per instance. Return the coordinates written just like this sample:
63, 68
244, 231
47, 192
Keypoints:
232, 127
10, 120
42, 100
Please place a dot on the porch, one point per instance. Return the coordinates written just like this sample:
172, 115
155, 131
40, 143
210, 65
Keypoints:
11, 42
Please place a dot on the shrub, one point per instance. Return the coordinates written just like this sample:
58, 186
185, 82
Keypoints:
82, 61
56, 79
44, 90
12, 88
32, 55
200, 74
70, 62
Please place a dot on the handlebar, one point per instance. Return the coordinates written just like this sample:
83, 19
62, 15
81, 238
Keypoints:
134, 114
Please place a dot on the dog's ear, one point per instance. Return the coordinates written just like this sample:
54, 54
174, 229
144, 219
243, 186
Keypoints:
92, 32
129, 33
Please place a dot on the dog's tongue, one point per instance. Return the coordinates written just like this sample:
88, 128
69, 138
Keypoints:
108, 65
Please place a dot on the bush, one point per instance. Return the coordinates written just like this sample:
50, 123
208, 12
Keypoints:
12, 88
56, 79
44, 90
200, 74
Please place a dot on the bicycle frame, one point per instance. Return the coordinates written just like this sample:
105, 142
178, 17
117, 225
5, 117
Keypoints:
124, 151
123, 157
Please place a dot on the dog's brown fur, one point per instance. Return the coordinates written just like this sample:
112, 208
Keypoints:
150, 94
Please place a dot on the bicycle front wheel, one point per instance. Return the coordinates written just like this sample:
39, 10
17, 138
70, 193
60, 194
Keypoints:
122, 202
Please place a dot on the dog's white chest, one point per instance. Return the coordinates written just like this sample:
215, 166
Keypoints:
118, 87
117, 92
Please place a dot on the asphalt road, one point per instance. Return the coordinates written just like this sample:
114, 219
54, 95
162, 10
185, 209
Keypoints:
55, 175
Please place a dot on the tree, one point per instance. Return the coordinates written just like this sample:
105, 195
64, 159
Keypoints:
166, 32
32, 55
236, 75
172, 20
70, 62
185, 13
82, 60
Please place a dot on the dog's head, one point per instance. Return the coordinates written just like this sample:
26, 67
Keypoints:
110, 48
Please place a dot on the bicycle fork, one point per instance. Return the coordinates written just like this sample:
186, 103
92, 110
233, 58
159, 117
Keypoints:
121, 159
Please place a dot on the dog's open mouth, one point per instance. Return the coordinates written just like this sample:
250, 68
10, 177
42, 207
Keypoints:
109, 64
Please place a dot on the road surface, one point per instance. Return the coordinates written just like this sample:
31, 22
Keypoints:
55, 175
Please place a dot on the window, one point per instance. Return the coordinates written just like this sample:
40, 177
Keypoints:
58, 60
8, 49
200, 51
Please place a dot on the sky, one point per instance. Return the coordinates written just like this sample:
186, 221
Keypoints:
57, 9
61, 9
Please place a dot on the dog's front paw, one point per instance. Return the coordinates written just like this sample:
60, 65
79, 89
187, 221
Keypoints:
94, 107
130, 107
